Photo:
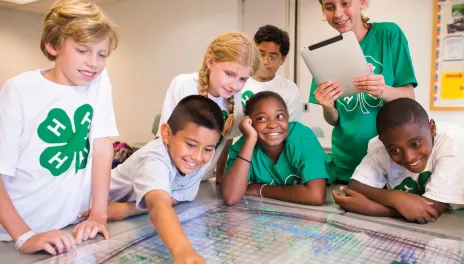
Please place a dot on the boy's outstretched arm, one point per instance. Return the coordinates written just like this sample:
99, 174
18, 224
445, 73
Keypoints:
411, 206
312, 192
121, 210
54, 241
101, 171
166, 223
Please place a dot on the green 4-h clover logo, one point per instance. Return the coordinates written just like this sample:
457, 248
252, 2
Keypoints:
225, 114
245, 96
412, 186
68, 142
364, 101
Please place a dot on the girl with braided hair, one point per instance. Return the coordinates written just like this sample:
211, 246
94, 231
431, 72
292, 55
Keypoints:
231, 58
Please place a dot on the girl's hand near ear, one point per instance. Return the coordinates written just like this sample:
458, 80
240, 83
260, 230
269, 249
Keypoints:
247, 129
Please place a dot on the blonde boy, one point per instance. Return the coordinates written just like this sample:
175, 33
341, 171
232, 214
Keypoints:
54, 124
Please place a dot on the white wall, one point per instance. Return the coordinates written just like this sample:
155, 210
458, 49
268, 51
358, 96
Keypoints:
159, 40
158, 43
19, 44
413, 16
256, 13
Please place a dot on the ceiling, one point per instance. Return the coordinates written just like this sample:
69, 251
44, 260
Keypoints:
42, 6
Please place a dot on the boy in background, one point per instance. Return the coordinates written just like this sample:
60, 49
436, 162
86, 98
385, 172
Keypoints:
274, 45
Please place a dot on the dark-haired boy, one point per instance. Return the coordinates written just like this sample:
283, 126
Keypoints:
417, 160
274, 45
168, 170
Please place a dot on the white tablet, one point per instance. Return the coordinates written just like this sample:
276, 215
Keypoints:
338, 59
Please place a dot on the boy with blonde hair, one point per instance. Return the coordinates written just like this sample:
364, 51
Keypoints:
55, 126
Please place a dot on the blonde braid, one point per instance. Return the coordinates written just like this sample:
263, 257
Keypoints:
228, 126
228, 47
203, 81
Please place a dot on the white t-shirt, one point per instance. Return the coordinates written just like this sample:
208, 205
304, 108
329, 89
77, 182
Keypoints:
442, 179
280, 85
150, 168
187, 84
46, 146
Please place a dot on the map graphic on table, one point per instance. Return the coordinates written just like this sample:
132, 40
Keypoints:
266, 232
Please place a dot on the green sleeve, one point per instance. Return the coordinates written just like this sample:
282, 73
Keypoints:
307, 155
403, 69
233, 152
312, 165
313, 88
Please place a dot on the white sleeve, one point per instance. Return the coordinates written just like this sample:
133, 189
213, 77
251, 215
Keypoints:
370, 171
187, 194
446, 184
104, 124
153, 174
294, 105
11, 127
174, 94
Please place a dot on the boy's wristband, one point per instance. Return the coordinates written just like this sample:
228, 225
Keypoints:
23, 238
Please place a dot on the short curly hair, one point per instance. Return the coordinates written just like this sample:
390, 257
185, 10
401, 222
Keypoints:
256, 98
400, 112
270, 33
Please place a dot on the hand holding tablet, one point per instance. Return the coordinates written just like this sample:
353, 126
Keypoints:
373, 84
335, 65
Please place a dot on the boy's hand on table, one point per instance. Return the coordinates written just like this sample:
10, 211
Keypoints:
413, 207
53, 242
89, 228
188, 256
352, 201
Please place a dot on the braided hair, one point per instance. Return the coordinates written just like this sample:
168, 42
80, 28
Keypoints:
228, 47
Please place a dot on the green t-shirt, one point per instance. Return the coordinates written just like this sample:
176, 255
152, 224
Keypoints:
386, 48
301, 160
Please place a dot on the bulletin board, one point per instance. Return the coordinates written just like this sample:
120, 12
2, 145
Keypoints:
447, 76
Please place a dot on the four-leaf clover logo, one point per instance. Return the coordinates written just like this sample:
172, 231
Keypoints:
68, 142
412, 186
364, 101
245, 96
